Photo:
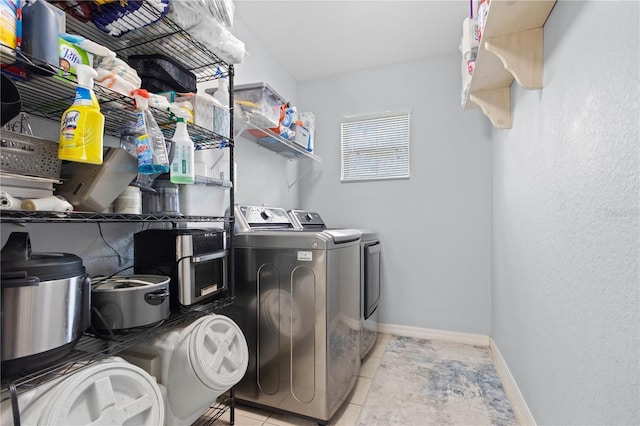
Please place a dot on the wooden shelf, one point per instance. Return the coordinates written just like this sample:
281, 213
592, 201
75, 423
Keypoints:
511, 49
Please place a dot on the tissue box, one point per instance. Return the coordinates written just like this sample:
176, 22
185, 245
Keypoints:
71, 55
303, 138
207, 113
221, 120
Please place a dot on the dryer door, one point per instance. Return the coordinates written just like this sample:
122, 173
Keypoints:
371, 277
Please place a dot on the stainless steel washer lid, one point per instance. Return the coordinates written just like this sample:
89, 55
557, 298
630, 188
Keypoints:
341, 236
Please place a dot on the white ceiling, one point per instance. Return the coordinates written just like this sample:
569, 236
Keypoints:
318, 38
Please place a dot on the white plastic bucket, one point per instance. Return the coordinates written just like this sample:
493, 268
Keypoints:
195, 364
110, 392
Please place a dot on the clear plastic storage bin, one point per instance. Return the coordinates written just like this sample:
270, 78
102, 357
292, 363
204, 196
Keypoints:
260, 103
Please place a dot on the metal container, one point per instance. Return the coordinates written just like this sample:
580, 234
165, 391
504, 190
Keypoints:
45, 305
91, 187
124, 302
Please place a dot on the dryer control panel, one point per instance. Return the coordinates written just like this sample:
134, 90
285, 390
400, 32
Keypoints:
308, 220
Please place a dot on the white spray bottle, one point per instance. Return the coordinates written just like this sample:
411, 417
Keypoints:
182, 166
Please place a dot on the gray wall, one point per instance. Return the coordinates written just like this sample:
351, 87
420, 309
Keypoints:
435, 226
565, 302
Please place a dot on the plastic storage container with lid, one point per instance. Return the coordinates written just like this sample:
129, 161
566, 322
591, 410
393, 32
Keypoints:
195, 364
203, 199
110, 392
260, 103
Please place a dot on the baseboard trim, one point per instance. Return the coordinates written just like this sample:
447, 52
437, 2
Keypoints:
519, 405
430, 333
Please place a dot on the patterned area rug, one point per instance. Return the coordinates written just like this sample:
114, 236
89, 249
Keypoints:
438, 382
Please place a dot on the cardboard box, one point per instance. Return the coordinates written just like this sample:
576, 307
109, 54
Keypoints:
303, 138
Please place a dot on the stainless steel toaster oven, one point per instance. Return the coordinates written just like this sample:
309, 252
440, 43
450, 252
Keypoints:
194, 259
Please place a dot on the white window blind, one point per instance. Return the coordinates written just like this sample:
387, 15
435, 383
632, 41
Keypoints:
375, 147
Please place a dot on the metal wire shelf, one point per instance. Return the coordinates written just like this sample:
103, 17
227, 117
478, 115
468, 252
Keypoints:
215, 411
45, 94
270, 140
92, 347
163, 36
23, 216
49, 96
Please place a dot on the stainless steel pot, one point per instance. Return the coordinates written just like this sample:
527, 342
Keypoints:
45, 305
130, 301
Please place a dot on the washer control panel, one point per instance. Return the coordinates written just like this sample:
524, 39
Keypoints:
261, 217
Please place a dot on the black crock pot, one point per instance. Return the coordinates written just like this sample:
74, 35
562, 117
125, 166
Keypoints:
45, 305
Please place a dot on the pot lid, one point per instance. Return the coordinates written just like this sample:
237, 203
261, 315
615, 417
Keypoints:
17, 261
129, 282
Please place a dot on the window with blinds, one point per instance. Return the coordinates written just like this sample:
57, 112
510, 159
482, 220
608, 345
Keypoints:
375, 147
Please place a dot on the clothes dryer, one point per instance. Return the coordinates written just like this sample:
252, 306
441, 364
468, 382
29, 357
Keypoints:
370, 252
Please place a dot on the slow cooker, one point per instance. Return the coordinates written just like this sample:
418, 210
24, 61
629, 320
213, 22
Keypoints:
46, 298
129, 301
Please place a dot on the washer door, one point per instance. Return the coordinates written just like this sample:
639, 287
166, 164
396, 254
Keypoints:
371, 277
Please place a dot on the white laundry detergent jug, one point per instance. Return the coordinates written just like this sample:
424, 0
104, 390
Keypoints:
194, 364
109, 392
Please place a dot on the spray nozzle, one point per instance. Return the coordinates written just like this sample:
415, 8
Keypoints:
141, 97
85, 75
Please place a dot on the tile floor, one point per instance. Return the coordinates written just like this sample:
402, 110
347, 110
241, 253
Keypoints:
346, 416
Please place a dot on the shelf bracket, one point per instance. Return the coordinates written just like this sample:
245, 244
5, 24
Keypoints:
300, 176
495, 104
522, 54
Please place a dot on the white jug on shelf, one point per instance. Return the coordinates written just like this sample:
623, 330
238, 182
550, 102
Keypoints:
194, 364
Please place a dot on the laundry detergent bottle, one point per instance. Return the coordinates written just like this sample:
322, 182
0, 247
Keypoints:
183, 162
82, 124
151, 146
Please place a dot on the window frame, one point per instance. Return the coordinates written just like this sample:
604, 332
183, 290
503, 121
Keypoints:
404, 169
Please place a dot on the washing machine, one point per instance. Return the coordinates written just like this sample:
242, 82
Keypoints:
370, 250
298, 304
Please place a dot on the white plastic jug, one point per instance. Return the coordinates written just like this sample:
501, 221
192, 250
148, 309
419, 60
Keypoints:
194, 364
110, 392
